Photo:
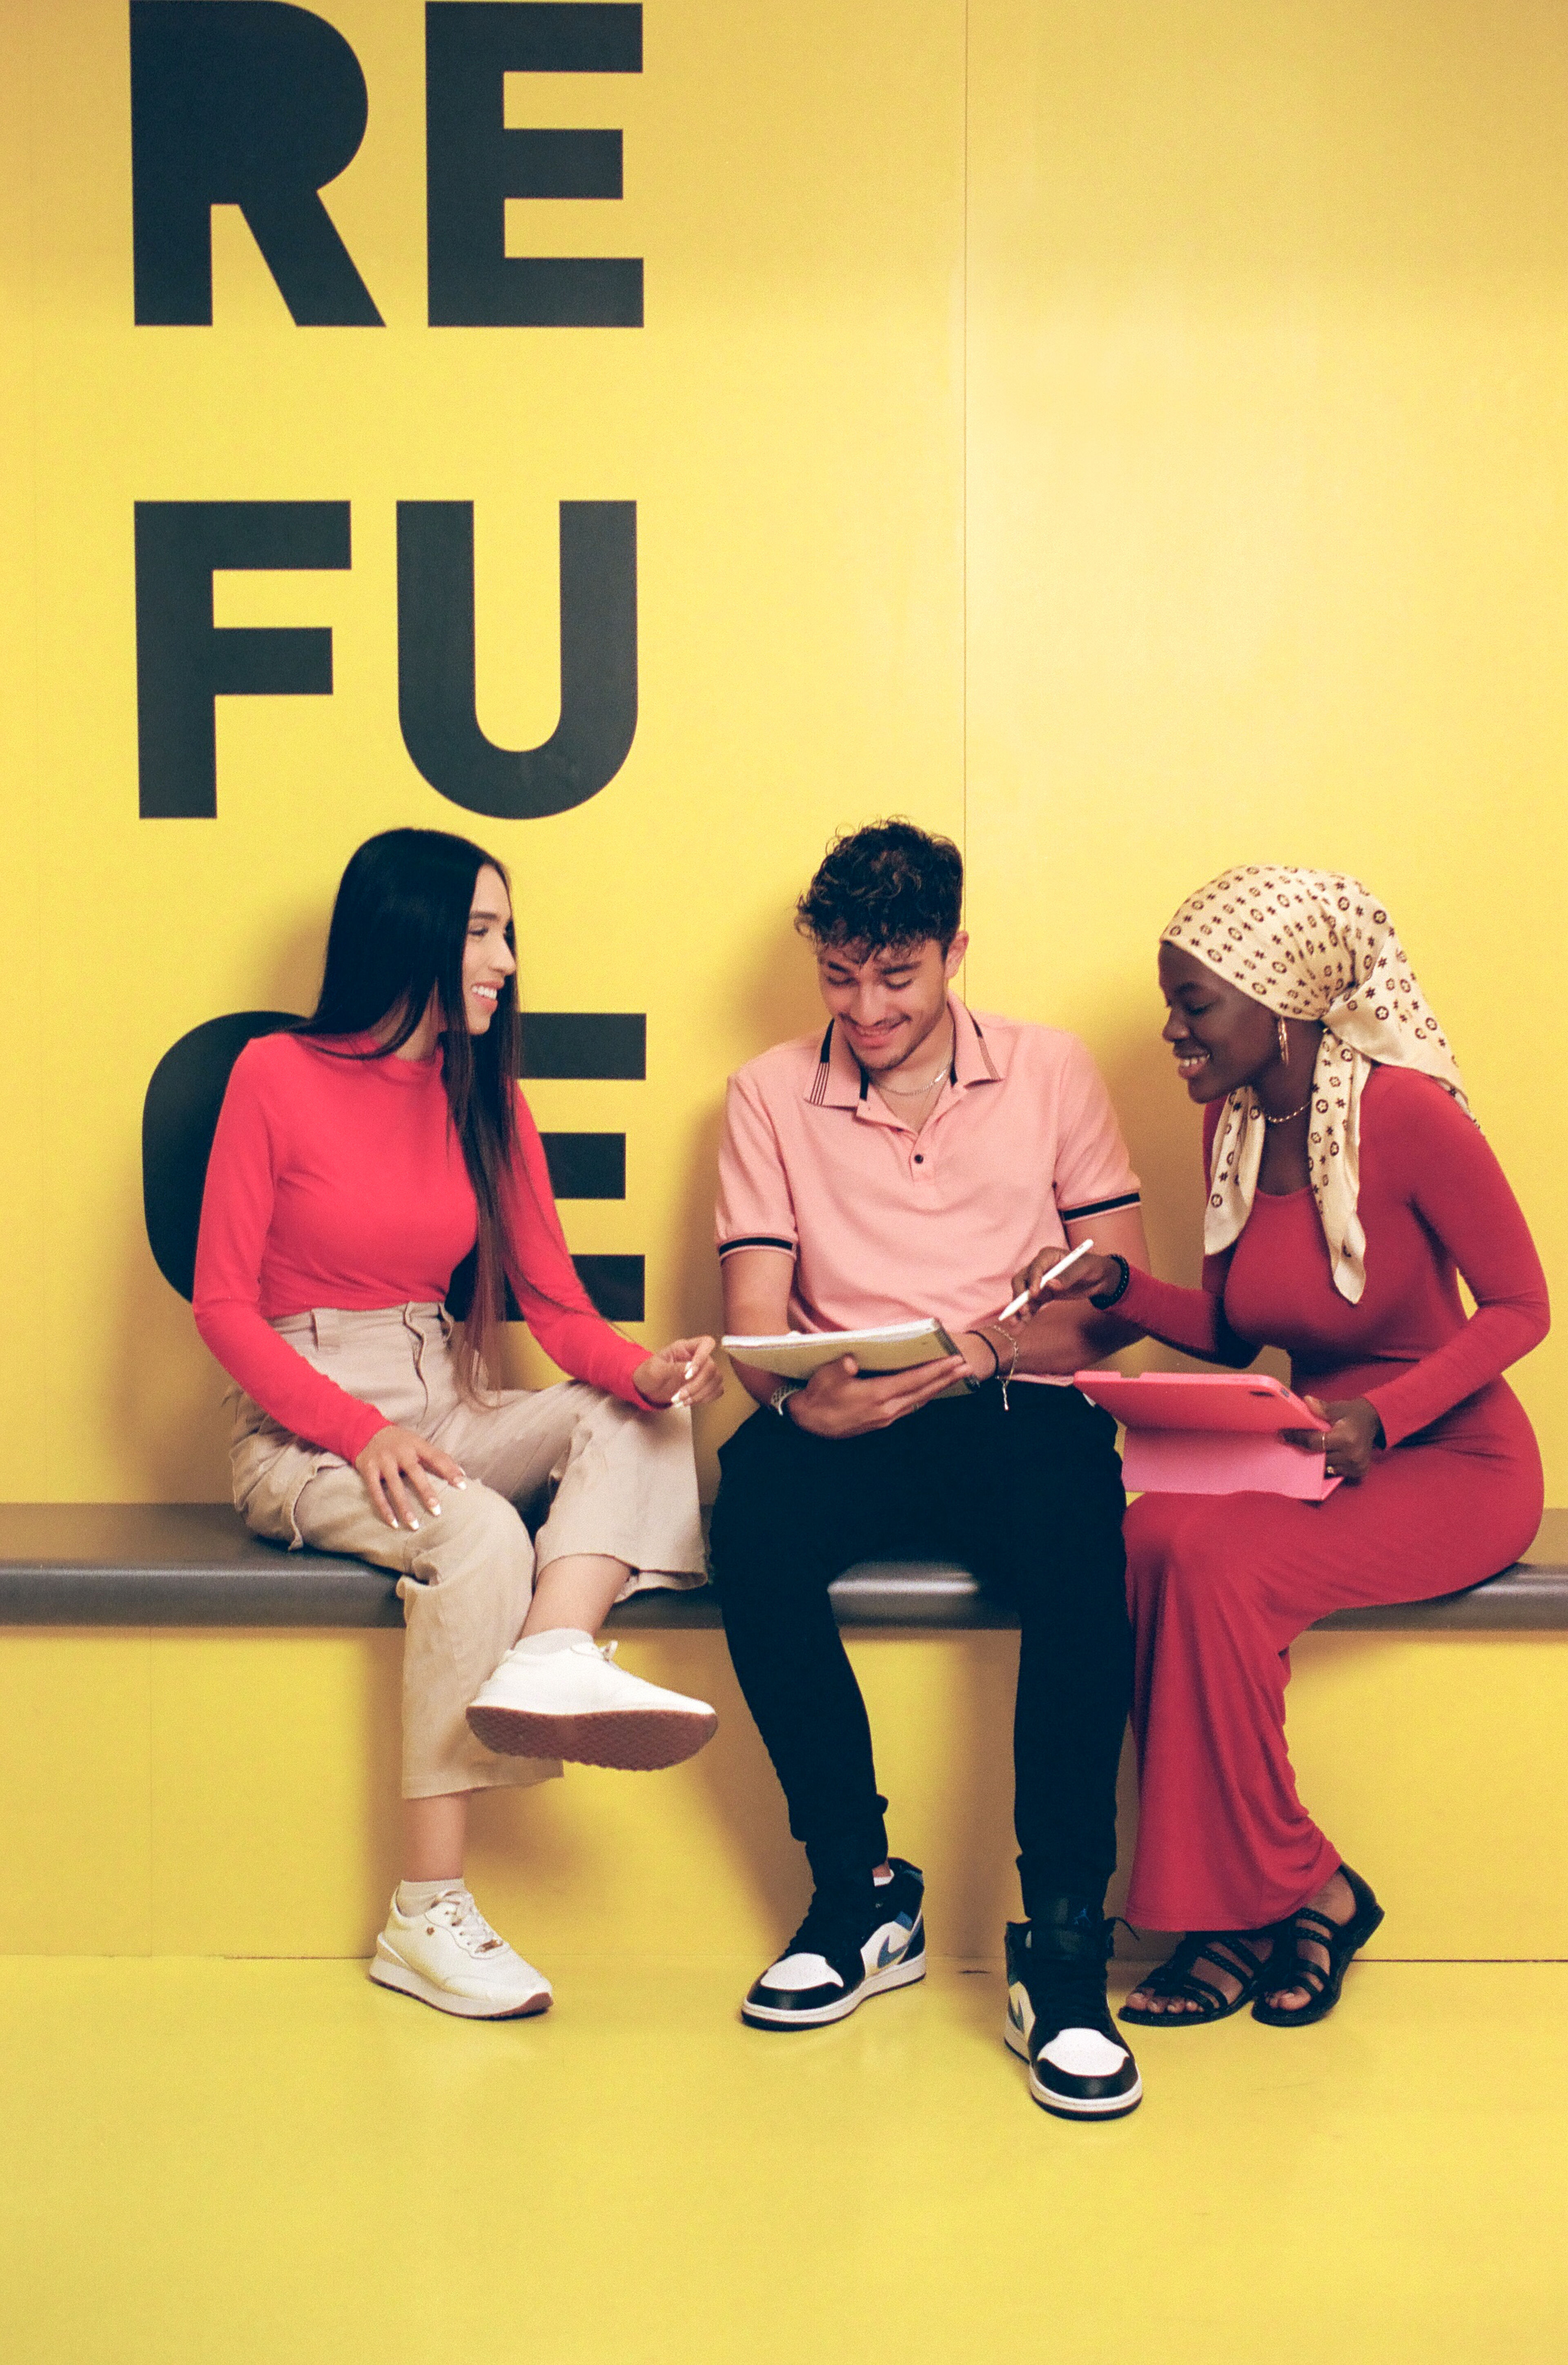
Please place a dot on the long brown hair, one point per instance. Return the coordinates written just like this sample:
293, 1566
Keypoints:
399, 927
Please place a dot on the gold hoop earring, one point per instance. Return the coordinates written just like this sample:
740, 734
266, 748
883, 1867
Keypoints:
1285, 1042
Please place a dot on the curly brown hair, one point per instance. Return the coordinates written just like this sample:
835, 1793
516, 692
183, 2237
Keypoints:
883, 886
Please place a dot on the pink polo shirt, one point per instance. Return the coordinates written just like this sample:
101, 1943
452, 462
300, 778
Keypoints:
883, 1227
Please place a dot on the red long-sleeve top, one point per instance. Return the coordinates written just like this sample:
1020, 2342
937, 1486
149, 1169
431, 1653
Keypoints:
340, 1182
1434, 1203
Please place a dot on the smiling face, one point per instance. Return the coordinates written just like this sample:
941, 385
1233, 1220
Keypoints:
892, 1001
487, 956
1221, 1037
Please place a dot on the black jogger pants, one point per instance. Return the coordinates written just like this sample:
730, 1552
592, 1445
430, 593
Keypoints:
1030, 1499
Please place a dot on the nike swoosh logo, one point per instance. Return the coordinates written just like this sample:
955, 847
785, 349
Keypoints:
892, 1949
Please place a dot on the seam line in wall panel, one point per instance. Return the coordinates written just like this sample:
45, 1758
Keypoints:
964, 489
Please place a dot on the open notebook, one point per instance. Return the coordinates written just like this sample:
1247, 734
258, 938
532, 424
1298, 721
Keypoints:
894, 1347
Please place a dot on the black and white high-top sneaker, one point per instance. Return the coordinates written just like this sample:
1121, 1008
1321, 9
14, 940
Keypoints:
853, 1943
1058, 2017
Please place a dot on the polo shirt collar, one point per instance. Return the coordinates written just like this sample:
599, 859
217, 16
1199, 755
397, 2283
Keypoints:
839, 1080
972, 1060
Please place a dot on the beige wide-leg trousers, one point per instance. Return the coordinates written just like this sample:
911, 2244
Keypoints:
550, 1471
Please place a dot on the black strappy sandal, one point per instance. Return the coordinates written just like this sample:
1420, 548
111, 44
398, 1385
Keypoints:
1176, 1978
1339, 1940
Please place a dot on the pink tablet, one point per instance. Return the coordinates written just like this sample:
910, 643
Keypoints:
1210, 1433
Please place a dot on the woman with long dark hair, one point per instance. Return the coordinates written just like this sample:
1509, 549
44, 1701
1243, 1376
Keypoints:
358, 1159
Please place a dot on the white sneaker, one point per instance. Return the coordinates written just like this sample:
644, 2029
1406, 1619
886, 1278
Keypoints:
577, 1703
449, 1956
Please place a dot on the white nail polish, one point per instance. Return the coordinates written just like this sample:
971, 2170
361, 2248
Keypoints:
689, 1372
435, 1511
415, 1525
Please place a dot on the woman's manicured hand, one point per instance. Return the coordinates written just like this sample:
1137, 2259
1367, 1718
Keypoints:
679, 1375
1349, 1443
1092, 1276
397, 1462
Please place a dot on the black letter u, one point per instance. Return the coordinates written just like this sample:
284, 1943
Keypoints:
598, 661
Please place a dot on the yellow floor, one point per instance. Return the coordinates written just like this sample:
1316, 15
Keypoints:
274, 2161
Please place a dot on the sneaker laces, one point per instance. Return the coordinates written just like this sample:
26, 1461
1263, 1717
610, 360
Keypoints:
1072, 1995
466, 1922
517, 1657
836, 1921
1071, 1990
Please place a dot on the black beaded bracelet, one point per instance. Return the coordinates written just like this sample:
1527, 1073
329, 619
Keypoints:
1103, 1305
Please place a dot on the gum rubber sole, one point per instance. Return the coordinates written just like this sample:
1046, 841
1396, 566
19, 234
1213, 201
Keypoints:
399, 1978
897, 1975
633, 1740
1063, 2106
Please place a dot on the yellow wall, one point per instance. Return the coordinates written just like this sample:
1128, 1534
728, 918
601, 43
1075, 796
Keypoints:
1131, 440
235, 1794
1267, 362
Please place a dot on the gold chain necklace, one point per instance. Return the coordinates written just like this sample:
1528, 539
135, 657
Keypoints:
1288, 1114
918, 1091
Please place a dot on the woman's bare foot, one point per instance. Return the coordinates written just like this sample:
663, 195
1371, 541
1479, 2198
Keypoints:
1337, 1903
1255, 1944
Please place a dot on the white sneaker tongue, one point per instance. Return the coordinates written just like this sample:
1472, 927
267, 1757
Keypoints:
798, 1972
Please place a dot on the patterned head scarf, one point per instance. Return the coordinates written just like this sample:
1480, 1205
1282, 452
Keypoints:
1310, 944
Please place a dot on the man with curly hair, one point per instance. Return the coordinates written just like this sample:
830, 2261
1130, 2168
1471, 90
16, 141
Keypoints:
910, 1162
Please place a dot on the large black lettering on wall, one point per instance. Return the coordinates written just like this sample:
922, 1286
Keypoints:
474, 163
598, 661
179, 1117
586, 1042
253, 104
183, 661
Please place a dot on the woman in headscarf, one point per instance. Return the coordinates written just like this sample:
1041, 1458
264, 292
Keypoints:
1350, 1190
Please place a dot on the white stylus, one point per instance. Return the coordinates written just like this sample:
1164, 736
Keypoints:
1025, 1294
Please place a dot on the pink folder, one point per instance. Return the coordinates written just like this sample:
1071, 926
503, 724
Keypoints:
1210, 1433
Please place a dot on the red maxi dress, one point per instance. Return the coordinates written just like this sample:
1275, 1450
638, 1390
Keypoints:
1220, 1585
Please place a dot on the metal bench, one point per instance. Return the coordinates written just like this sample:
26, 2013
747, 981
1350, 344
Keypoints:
197, 1564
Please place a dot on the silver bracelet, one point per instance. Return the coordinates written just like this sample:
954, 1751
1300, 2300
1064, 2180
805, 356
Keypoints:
984, 1330
782, 1393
